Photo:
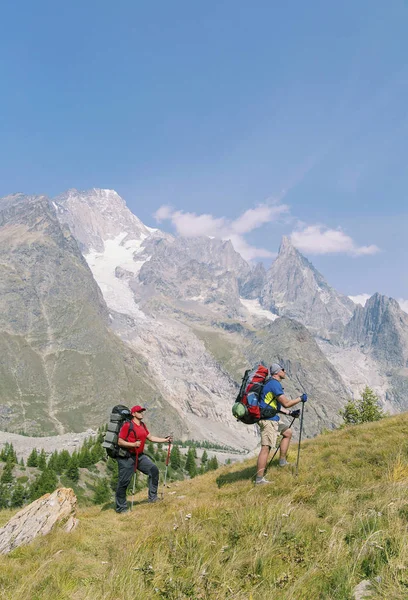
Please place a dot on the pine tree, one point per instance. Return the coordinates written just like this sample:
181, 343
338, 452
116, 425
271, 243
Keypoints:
97, 453
45, 483
212, 463
4, 495
190, 465
84, 457
32, 460
22, 462
204, 458
175, 458
72, 470
42, 460
63, 461
364, 410
18, 496
7, 475
369, 406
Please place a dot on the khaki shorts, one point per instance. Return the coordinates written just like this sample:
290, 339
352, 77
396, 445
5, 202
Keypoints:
270, 431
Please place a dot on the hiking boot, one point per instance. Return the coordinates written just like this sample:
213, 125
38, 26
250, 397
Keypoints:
154, 500
284, 463
261, 481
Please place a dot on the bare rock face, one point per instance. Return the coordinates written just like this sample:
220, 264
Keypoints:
96, 215
295, 289
39, 518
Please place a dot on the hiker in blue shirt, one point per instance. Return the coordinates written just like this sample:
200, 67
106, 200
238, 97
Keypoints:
273, 395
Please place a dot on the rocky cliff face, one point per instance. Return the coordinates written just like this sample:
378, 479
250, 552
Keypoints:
200, 269
295, 289
61, 366
94, 216
381, 327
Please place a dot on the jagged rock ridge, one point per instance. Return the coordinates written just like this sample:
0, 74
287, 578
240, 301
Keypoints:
295, 289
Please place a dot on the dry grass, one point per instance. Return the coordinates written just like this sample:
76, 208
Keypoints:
343, 519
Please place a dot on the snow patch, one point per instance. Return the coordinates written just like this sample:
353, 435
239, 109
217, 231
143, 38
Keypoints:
117, 253
256, 309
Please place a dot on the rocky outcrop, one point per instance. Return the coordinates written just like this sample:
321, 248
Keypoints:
295, 289
251, 284
200, 269
381, 327
96, 215
39, 518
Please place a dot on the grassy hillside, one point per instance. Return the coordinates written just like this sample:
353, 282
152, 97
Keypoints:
316, 536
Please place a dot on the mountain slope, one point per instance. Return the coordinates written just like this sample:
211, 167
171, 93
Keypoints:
62, 367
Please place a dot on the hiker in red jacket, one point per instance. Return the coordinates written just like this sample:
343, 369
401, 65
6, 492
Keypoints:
132, 437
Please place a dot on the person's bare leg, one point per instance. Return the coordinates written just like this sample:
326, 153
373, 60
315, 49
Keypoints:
262, 460
284, 445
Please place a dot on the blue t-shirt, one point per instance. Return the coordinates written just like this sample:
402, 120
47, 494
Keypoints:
269, 396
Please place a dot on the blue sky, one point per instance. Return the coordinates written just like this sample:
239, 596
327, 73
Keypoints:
296, 112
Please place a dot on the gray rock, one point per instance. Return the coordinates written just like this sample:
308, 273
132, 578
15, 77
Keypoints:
295, 289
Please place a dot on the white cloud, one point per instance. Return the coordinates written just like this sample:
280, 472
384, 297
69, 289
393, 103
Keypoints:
403, 304
317, 239
163, 213
360, 298
190, 225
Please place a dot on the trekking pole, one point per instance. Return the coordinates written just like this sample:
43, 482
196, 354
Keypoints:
134, 481
274, 454
167, 466
300, 439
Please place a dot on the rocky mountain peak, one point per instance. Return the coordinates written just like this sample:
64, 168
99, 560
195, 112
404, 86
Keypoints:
294, 288
287, 249
382, 328
97, 215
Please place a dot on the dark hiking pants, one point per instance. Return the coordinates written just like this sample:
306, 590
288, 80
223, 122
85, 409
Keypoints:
126, 470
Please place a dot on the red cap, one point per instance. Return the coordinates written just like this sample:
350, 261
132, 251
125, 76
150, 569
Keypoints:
137, 409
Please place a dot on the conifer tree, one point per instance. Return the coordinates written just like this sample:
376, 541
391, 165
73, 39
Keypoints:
72, 470
22, 462
45, 483
364, 410
175, 458
204, 457
190, 465
32, 460
212, 463
18, 496
42, 460
63, 460
7, 474
97, 453
84, 457
4, 495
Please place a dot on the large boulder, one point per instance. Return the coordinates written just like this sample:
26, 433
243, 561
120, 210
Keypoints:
39, 518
